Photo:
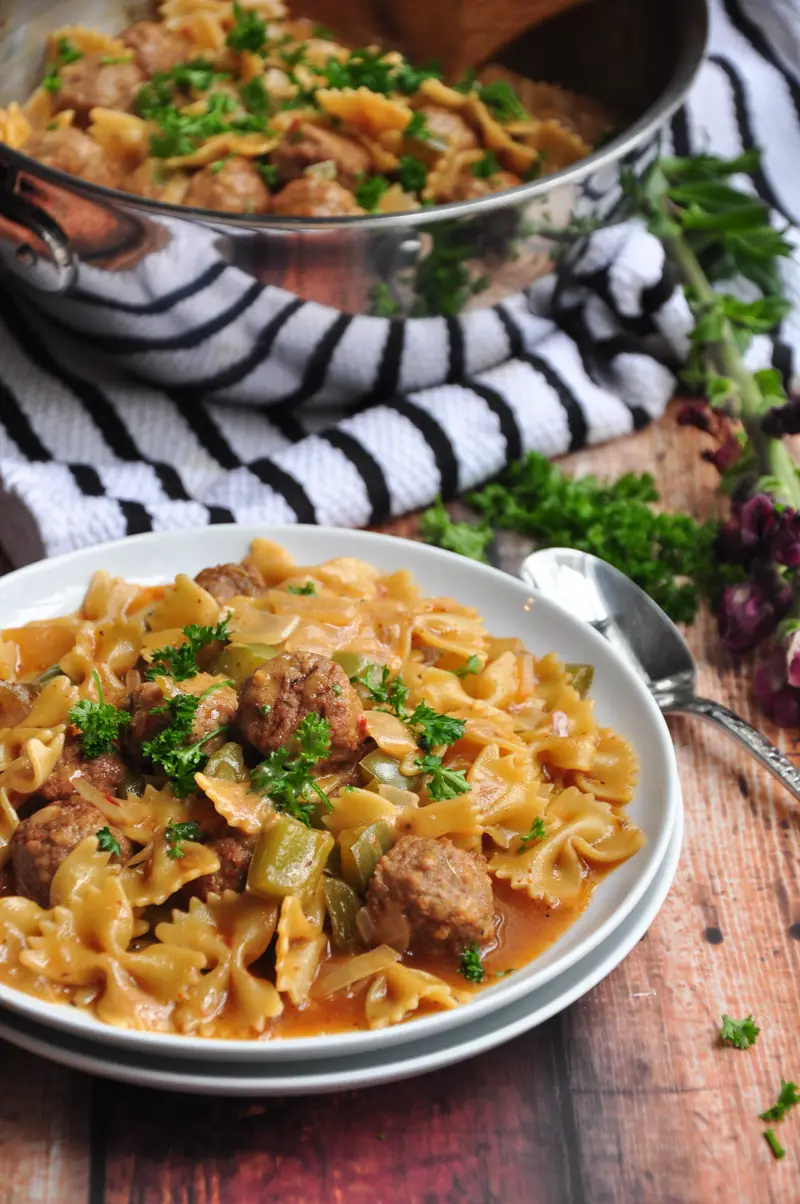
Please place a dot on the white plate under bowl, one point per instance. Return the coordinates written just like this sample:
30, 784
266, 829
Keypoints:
198, 1076
509, 608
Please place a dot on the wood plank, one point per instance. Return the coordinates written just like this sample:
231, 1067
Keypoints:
44, 1131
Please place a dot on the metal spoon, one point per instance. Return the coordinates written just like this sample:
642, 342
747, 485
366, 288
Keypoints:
647, 639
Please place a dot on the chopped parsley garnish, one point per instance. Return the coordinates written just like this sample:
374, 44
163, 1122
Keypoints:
268, 173
376, 687
292, 57
308, 590
467, 539
471, 665
470, 964
107, 842
536, 832
741, 1034
65, 53
286, 778
502, 101
169, 751
432, 728
160, 91
249, 31
180, 660
99, 723
487, 166
788, 1098
773, 1143
217, 167
468, 81
408, 79
418, 127
112, 60
255, 97
176, 833
535, 169
361, 69
369, 192
323, 33
442, 783
503, 973
412, 173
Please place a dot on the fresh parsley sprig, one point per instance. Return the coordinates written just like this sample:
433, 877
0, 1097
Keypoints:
470, 964
99, 723
788, 1098
175, 833
66, 53
443, 783
433, 729
536, 832
471, 666
286, 777
308, 590
741, 1034
248, 32
169, 751
107, 842
179, 661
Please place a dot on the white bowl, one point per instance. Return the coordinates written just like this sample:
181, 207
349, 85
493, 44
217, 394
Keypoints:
510, 608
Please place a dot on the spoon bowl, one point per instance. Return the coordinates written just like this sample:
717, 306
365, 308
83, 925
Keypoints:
647, 639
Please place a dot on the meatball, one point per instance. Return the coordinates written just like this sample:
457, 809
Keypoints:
151, 181
106, 772
15, 703
155, 48
87, 84
312, 197
226, 581
217, 709
74, 152
235, 187
282, 691
235, 852
449, 127
312, 145
426, 893
41, 843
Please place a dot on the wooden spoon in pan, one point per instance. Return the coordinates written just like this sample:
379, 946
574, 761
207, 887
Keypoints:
459, 33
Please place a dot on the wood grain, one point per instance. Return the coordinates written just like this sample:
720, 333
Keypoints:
625, 1098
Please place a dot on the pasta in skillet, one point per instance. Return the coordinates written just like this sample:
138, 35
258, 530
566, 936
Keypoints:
239, 108
277, 799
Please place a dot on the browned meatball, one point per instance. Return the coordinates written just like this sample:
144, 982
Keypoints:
217, 709
274, 699
426, 893
41, 843
449, 127
151, 181
15, 703
311, 197
87, 84
235, 187
106, 772
74, 152
226, 581
311, 144
155, 48
235, 852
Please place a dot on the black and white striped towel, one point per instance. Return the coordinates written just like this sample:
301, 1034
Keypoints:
89, 454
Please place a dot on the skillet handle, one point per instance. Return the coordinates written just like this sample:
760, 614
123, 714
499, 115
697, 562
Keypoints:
48, 266
761, 748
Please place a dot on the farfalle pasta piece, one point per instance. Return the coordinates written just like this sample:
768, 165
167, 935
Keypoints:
8, 825
553, 869
28, 772
84, 941
183, 603
88, 41
52, 706
251, 146
348, 576
506, 794
300, 945
109, 649
449, 631
231, 932
358, 808
254, 623
154, 876
16, 126
239, 805
399, 991
345, 974
370, 112
273, 562
20, 920
567, 735
455, 817
123, 136
513, 155
613, 773
42, 645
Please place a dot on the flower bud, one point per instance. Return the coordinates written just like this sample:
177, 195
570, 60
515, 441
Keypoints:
777, 698
749, 612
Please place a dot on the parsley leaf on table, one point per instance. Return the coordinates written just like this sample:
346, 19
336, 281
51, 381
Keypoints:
179, 661
99, 723
107, 842
443, 783
436, 526
741, 1034
774, 1144
285, 776
470, 964
175, 833
788, 1098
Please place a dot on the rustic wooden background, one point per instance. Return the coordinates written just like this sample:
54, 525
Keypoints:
624, 1098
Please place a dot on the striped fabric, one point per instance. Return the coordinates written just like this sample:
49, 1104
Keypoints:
89, 453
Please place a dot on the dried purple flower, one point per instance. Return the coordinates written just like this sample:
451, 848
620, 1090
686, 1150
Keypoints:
749, 531
786, 539
792, 658
779, 700
749, 612
695, 413
726, 455
782, 420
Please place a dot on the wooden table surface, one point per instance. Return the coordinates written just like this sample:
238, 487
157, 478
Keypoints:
625, 1097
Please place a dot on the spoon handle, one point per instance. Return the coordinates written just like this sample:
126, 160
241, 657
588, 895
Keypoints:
762, 749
